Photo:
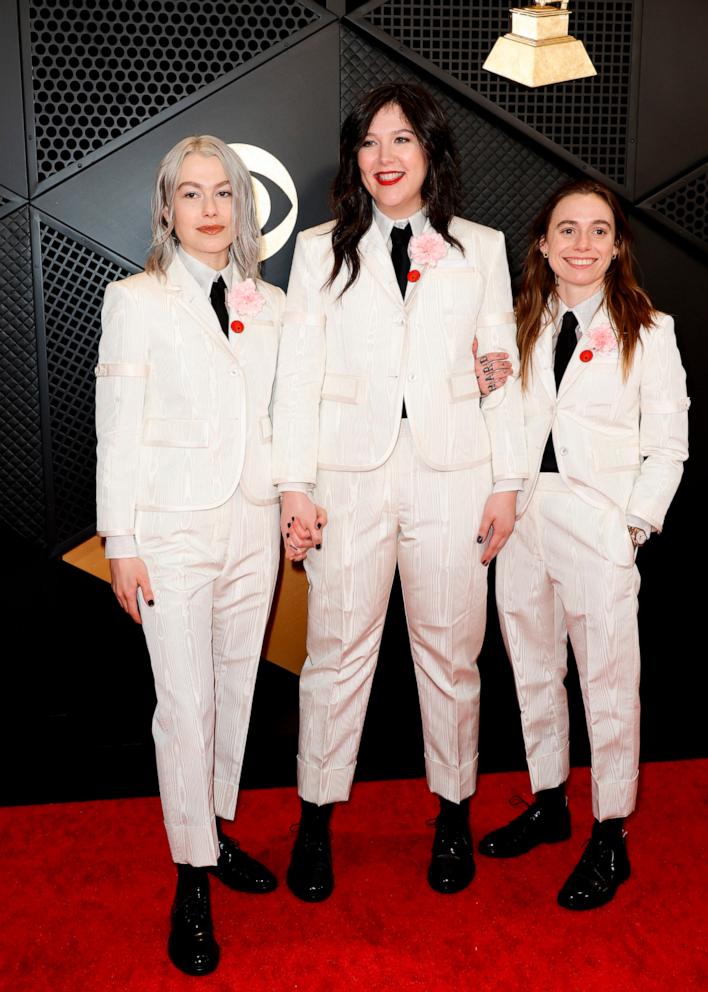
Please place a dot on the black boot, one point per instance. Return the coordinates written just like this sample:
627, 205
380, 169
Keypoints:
546, 821
310, 874
191, 945
452, 864
600, 871
239, 870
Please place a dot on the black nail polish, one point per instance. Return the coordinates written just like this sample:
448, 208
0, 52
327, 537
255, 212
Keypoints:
480, 539
151, 602
287, 524
318, 546
293, 519
485, 563
319, 526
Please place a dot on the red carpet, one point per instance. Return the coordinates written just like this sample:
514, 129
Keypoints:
87, 890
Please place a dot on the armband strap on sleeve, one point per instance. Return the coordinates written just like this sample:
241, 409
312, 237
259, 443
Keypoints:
494, 319
666, 407
122, 368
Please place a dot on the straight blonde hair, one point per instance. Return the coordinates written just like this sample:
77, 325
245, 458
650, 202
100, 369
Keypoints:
245, 247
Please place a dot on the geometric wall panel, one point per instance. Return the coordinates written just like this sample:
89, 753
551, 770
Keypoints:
271, 107
100, 69
588, 118
75, 278
22, 506
684, 205
503, 178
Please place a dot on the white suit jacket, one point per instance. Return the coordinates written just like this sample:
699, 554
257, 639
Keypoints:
616, 442
182, 414
346, 364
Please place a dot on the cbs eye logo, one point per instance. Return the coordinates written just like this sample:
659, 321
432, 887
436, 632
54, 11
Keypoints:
258, 160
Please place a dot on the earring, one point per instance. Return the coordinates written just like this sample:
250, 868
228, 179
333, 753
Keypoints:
545, 254
614, 255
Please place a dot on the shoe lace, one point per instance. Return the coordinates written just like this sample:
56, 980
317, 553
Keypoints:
195, 907
517, 800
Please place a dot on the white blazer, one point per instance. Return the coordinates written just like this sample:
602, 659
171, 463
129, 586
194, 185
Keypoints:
346, 365
182, 414
616, 442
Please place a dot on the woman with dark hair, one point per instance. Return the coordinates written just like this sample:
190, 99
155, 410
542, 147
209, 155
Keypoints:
186, 503
605, 412
377, 418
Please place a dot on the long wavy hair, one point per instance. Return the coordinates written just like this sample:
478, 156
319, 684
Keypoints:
628, 305
351, 202
245, 247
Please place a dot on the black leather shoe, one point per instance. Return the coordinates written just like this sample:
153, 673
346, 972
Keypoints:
310, 875
536, 825
452, 864
239, 870
597, 876
191, 945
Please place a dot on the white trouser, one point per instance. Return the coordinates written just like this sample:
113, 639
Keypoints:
560, 576
427, 521
213, 573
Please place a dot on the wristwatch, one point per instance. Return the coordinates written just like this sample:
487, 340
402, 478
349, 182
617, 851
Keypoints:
638, 536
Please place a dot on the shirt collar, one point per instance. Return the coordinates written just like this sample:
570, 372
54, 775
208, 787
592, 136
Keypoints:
203, 274
386, 224
584, 312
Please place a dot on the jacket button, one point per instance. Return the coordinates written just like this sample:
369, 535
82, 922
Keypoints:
411, 377
564, 451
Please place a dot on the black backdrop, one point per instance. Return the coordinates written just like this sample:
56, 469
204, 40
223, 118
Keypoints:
92, 97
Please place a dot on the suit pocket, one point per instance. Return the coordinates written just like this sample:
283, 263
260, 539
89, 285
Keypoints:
463, 386
266, 430
340, 388
617, 457
158, 433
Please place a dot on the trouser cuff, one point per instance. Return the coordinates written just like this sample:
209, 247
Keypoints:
197, 846
451, 782
549, 770
324, 785
613, 800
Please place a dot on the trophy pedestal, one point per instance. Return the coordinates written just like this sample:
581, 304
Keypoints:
539, 49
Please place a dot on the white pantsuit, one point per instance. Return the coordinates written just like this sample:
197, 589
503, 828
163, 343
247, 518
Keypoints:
184, 449
568, 569
408, 492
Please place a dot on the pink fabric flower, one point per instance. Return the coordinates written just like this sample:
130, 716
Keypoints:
427, 249
603, 339
245, 299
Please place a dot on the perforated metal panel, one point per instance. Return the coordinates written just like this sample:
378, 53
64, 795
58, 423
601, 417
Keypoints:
503, 179
685, 205
100, 69
588, 118
75, 278
21, 472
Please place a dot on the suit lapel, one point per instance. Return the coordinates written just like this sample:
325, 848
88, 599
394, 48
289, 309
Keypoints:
413, 287
575, 366
544, 359
192, 299
377, 260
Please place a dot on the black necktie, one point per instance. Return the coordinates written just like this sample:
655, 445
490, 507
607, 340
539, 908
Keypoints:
400, 236
218, 301
565, 346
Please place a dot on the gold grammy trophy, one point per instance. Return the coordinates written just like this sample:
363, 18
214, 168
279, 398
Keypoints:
539, 49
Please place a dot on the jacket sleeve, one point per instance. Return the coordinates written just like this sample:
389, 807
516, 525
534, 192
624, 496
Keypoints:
121, 380
502, 409
300, 373
663, 424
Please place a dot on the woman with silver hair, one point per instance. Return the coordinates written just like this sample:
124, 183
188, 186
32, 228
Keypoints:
187, 506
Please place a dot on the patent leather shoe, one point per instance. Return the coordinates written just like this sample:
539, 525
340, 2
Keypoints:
239, 870
452, 863
597, 876
191, 945
536, 825
310, 876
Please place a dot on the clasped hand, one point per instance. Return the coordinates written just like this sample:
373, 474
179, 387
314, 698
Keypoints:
302, 523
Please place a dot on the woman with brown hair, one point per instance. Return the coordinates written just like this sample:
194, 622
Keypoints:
605, 412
